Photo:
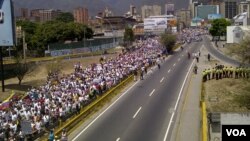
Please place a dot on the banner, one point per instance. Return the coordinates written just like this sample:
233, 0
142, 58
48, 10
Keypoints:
7, 24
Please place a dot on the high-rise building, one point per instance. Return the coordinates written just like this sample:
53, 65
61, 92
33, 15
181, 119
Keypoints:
49, 14
44, 15
132, 10
204, 10
150, 10
169, 9
229, 9
81, 15
244, 7
193, 8
24, 13
184, 16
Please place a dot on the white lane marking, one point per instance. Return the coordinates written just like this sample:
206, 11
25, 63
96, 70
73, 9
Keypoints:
103, 112
179, 59
137, 112
152, 92
174, 64
162, 79
117, 139
182, 55
177, 102
169, 70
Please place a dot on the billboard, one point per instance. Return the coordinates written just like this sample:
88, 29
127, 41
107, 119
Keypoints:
7, 26
214, 16
153, 24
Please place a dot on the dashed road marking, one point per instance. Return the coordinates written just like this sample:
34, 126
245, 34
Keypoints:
77, 136
162, 79
177, 101
152, 92
117, 139
174, 64
169, 71
137, 112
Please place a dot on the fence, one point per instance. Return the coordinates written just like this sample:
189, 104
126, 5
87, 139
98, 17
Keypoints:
83, 46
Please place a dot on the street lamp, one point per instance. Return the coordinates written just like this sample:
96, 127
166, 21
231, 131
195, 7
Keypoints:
97, 17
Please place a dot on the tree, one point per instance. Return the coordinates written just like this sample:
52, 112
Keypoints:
65, 17
38, 36
168, 40
242, 50
219, 27
29, 28
22, 68
128, 35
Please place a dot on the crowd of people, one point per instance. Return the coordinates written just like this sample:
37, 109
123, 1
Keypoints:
221, 71
189, 35
64, 95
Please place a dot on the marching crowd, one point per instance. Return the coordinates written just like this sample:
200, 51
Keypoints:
189, 35
221, 71
64, 95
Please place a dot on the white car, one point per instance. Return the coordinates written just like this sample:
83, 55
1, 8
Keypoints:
1, 16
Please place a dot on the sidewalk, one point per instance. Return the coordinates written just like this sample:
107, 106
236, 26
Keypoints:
188, 124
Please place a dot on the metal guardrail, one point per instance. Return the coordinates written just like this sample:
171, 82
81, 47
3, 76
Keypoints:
204, 122
75, 120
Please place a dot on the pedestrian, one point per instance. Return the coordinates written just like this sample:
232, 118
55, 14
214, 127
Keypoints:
217, 74
141, 74
64, 136
188, 55
195, 69
199, 52
213, 73
204, 75
181, 48
135, 74
208, 57
208, 74
197, 59
51, 135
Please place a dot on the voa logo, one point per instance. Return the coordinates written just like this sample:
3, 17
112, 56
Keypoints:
236, 132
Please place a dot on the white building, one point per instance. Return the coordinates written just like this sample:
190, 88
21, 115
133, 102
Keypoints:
235, 34
241, 19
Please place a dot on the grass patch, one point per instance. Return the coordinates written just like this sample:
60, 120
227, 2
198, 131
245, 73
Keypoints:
228, 95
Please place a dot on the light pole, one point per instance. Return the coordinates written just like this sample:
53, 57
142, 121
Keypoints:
97, 17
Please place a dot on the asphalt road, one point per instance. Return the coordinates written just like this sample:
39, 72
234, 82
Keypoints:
146, 111
219, 55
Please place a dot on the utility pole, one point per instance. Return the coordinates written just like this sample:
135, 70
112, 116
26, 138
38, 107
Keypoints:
84, 36
24, 47
2, 69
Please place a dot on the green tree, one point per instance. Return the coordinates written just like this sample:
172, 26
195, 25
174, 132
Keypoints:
22, 68
168, 40
65, 17
29, 28
38, 36
219, 27
242, 50
128, 35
